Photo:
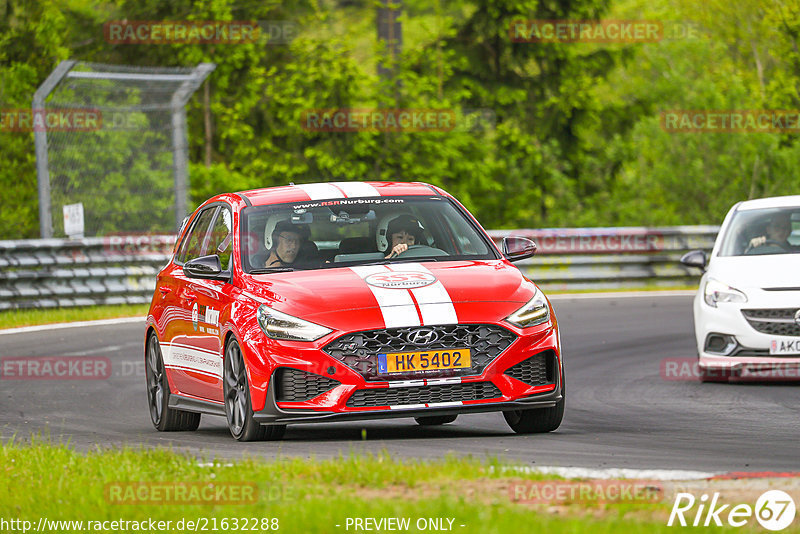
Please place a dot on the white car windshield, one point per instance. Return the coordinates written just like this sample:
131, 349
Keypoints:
761, 232
325, 234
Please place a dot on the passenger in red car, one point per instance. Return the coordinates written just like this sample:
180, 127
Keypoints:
286, 242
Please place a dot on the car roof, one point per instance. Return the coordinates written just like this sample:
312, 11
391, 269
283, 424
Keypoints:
771, 202
336, 190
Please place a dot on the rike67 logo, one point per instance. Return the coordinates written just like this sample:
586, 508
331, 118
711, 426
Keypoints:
774, 510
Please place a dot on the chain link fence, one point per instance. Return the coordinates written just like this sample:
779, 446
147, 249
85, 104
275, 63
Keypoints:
113, 138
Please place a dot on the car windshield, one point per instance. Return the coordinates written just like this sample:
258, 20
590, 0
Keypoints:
761, 232
324, 234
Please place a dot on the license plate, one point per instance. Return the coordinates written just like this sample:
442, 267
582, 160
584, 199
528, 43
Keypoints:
427, 360
783, 346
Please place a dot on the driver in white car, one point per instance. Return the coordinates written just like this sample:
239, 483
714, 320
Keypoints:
403, 232
778, 230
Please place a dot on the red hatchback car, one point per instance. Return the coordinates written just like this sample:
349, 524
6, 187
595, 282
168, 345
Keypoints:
347, 300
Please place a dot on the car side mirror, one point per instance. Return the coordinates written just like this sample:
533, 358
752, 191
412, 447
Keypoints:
206, 268
695, 258
518, 248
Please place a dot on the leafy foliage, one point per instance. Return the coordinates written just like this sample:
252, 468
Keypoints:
576, 138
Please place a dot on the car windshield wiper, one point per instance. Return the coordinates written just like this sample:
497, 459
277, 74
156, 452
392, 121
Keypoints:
267, 270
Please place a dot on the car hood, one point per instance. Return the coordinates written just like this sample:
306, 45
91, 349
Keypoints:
768, 271
400, 294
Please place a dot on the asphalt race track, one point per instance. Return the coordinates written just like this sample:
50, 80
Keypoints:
620, 411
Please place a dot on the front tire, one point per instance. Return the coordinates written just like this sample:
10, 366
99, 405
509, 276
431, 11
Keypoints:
238, 409
538, 420
164, 418
434, 420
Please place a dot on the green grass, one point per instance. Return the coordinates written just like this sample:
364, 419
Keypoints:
654, 288
55, 482
15, 318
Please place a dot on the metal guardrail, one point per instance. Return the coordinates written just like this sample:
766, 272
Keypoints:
46, 273
612, 258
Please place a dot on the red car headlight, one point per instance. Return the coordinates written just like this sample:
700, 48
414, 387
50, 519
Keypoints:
534, 312
279, 325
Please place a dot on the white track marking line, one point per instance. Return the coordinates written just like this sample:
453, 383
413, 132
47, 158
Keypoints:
609, 473
76, 324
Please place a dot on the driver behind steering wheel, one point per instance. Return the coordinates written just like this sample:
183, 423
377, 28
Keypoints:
403, 231
778, 230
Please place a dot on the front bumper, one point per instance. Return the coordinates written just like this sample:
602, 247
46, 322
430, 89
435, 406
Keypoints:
744, 349
418, 397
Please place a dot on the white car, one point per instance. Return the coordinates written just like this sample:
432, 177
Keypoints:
747, 309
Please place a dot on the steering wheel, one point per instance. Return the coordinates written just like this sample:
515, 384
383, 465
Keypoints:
422, 250
771, 242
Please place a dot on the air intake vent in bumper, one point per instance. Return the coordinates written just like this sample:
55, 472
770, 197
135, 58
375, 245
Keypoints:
294, 385
423, 394
536, 370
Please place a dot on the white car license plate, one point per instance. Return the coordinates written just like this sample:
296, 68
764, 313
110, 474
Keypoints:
785, 346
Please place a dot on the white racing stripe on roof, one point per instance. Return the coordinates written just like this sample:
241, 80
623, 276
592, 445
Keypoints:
396, 306
357, 189
435, 304
321, 191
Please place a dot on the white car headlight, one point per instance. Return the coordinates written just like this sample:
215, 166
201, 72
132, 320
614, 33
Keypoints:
278, 325
716, 292
534, 312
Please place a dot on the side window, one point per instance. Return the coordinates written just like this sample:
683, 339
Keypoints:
221, 240
193, 241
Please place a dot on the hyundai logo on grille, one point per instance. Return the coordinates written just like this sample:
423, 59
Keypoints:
422, 336
797, 318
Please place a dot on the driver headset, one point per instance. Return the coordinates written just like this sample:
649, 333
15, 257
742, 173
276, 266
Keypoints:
397, 223
278, 226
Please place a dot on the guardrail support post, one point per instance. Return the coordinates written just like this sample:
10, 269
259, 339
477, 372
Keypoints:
40, 140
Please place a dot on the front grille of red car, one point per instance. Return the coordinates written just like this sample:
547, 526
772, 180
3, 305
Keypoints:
294, 385
360, 350
773, 321
366, 398
537, 370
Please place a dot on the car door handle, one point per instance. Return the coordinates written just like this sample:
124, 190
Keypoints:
164, 290
188, 295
